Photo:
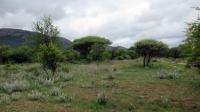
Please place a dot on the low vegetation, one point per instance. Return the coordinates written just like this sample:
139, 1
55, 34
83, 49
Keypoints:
120, 86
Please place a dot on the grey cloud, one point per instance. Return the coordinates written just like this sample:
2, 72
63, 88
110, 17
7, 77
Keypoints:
122, 21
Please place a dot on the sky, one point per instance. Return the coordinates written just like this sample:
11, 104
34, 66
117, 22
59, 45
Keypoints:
122, 21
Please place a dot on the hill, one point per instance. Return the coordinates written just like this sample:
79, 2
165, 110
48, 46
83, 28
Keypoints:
17, 37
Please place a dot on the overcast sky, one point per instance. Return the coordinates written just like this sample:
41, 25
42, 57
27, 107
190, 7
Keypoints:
122, 21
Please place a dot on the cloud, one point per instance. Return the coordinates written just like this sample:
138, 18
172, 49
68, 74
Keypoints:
122, 21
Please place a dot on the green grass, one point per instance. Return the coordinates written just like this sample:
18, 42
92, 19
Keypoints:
128, 86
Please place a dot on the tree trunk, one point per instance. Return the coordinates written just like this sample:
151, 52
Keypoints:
144, 61
149, 59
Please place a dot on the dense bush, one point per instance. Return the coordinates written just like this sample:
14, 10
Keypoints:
71, 55
120, 53
49, 56
175, 52
4, 54
21, 55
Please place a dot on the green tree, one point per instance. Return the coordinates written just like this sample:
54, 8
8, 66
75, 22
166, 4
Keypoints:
84, 45
46, 38
193, 42
49, 56
149, 48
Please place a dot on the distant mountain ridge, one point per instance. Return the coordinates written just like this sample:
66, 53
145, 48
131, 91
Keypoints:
17, 37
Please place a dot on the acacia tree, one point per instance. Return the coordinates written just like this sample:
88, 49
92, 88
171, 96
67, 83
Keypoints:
149, 48
46, 38
90, 44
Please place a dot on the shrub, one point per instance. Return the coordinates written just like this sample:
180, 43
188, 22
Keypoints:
15, 86
101, 98
4, 54
21, 55
49, 56
71, 55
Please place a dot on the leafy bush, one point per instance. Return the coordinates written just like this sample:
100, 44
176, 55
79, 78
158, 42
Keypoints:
71, 55
21, 55
49, 56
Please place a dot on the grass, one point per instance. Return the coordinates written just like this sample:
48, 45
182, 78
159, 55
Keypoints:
126, 85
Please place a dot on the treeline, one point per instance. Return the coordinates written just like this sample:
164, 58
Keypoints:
86, 49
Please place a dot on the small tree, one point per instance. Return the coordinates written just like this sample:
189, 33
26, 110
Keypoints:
46, 38
149, 48
49, 56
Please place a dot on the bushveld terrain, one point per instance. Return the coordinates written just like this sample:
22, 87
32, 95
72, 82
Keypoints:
165, 86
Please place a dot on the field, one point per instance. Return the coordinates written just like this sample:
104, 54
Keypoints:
166, 86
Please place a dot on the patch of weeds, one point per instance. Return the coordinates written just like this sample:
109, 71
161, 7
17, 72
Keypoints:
164, 102
63, 98
110, 77
66, 76
102, 98
55, 91
45, 81
131, 107
88, 85
15, 86
36, 95
140, 100
166, 74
